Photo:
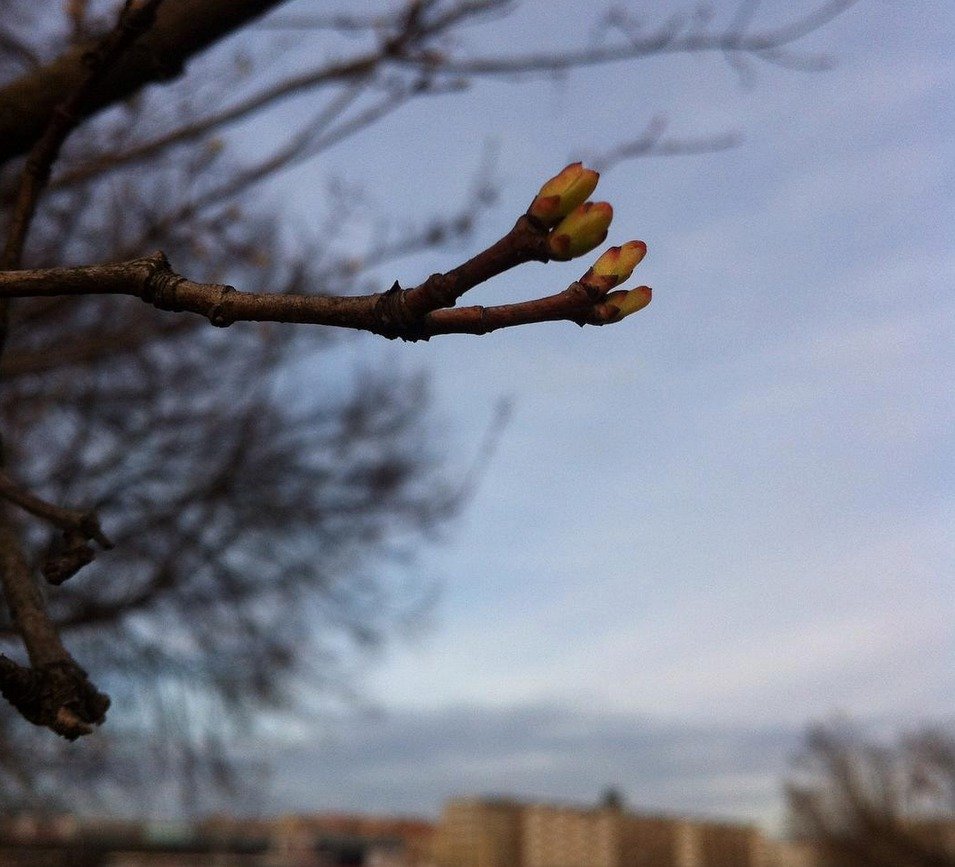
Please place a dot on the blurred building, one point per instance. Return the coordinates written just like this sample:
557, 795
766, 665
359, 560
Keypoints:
472, 832
478, 832
555, 836
495, 833
792, 854
939, 834
651, 840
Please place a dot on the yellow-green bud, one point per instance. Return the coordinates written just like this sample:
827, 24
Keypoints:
626, 302
615, 266
562, 193
581, 230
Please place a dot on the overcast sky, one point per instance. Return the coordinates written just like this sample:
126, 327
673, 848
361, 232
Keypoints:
729, 515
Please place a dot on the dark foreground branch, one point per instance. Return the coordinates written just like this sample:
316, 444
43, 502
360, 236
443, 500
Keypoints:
184, 28
54, 691
79, 528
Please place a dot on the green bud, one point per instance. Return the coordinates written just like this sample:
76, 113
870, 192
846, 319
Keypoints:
626, 302
615, 266
581, 230
562, 193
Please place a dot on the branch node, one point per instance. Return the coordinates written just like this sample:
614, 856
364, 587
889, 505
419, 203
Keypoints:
160, 286
58, 696
217, 314
67, 558
394, 318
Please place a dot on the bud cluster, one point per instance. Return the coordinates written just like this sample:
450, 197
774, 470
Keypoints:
577, 227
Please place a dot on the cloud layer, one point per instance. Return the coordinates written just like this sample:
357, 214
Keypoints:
411, 763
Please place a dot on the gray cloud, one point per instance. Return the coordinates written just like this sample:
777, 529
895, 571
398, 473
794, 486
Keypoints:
412, 762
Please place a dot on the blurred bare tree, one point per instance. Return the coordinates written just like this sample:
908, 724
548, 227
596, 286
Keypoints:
250, 521
868, 803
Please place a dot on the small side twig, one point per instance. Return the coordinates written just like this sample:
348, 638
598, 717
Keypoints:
652, 142
79, 528
53, 691
69, 520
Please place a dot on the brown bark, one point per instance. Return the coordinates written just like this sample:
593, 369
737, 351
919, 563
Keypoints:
183, 29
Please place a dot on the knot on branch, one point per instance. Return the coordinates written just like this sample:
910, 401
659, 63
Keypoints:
68, 558
395, 319
161, 283
217, 315
58, 696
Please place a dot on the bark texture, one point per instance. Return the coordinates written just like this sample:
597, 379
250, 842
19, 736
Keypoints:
183, 29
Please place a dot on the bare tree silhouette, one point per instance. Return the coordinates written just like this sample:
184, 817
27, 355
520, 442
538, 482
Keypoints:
210, 533
865, 803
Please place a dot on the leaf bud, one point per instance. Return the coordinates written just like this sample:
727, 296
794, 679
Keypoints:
626, 302
562, 193
615, 266
581, 230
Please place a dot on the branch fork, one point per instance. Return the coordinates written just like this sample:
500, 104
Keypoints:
557, 226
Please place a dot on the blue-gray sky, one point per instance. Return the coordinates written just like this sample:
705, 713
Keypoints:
728, 515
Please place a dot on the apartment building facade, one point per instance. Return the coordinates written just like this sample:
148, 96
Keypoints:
506, 833
480, 832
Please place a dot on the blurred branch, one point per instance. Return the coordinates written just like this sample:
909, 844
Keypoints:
337, 23
83, 349
133, 22
410, 35
352, 70
183, 29
65, 519
653, 144
408, 46
866, 804
54, 691
668, 41
19, 50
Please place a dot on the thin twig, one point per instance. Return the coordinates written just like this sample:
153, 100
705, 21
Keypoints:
350, 71
54, 691
85, 522
667, 41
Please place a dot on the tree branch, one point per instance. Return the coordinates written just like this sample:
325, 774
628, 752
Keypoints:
350, 71
65, 519
79, 528
667, 41
54, 691
183, 29
412, 314
133, 22
409, 36
653, 143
